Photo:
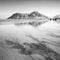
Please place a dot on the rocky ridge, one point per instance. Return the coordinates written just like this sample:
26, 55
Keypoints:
32, 15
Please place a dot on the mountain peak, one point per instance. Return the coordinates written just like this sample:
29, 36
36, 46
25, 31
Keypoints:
34, 14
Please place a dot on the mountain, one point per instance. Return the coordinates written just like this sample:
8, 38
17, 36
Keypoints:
57, 18
32, 15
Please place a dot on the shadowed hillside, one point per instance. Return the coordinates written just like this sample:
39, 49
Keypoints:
32, 15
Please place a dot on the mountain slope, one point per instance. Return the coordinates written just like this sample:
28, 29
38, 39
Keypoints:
31, 15
57, 18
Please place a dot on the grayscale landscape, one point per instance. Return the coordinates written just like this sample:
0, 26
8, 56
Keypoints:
29, 39
29, 30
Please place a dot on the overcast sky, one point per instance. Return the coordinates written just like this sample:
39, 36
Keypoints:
49, 8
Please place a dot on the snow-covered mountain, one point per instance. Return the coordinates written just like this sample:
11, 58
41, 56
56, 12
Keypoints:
26, 42
32, 15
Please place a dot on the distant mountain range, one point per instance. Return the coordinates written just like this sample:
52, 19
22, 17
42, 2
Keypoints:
32, 15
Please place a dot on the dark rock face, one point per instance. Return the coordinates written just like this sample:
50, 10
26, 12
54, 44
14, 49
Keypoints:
18, 16
34, 14
35, 48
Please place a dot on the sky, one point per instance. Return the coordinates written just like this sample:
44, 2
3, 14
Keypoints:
49, 8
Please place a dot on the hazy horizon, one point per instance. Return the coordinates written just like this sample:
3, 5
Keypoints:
49, 8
